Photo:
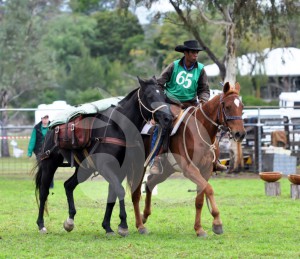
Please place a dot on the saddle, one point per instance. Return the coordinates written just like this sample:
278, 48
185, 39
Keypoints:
75, 134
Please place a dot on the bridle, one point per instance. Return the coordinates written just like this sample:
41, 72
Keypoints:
147, 109
226, 118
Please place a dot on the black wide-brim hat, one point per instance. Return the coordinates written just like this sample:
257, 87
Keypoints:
189, 45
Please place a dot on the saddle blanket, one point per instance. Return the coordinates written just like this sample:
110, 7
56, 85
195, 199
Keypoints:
148, 126
87, 108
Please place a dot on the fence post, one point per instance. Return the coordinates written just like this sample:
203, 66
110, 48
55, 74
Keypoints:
257, 144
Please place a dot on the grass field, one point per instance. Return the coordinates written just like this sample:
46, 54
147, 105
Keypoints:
255, 225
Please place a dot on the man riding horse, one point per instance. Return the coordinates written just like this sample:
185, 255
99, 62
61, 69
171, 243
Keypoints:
185, 83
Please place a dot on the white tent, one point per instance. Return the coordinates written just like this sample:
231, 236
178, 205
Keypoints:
276, 62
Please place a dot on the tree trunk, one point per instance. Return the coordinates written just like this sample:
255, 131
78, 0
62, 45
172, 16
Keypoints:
230, 58
4, 120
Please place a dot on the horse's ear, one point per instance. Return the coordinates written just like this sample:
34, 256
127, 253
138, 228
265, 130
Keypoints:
226, 87
237, 87
140, 81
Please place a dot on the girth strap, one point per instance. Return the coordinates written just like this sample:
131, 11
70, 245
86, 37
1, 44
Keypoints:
115, 141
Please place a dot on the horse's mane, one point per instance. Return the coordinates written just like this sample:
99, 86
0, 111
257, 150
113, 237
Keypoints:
128, 96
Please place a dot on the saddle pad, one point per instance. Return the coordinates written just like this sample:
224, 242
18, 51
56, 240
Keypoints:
87, 108
147, 128
179, 120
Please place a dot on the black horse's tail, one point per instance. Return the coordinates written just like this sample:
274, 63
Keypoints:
38, 176
38, 182
37, 169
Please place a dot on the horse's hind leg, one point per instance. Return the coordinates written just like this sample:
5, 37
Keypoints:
135, 198
44, 177
152, 181
217, 226
199, 205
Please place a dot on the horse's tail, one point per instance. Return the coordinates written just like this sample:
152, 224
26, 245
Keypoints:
38, 183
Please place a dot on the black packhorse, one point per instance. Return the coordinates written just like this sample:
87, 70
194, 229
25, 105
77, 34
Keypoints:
116, 151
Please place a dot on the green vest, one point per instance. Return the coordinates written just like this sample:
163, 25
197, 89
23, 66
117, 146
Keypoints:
183, 84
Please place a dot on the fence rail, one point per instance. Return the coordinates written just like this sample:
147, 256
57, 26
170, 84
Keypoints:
256, 147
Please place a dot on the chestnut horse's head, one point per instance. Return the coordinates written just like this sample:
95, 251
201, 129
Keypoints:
231, 110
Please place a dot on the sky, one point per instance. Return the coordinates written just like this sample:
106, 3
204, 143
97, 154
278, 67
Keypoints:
161, 5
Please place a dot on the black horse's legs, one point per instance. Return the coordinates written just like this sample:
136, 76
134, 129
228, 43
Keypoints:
123, 215
114, 176
70, 186
111, 201
46, 171
43, 195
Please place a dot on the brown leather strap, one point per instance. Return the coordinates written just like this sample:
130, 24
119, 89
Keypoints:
116, 141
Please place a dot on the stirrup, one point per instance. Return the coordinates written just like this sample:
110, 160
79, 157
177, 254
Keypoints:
156, 167
219, 167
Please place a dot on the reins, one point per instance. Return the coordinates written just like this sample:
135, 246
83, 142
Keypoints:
212, 147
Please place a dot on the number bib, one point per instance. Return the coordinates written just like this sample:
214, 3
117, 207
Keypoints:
183, 84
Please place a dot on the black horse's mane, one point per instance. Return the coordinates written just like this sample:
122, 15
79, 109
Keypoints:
128, 96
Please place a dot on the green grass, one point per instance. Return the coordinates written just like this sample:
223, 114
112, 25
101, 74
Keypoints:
255, 225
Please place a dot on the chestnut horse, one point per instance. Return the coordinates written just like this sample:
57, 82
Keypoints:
193, 147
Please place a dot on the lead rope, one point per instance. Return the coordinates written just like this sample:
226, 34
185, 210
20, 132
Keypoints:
184, 141
212, 147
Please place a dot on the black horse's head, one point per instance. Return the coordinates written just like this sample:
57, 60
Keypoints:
153, 103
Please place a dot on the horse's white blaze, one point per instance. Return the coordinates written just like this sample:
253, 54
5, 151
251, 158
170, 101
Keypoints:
237, 102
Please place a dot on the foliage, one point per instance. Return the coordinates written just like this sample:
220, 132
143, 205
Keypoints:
124, 34
22, 67
255, 225
68, 39
90, 6
250, 100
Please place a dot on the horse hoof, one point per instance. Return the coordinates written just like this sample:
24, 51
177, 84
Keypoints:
43, 230
202, 234
110, 234
143, 218
69, 225
217, 229
123, 231
143, 231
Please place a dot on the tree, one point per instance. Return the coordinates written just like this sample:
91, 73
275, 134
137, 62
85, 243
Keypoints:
21, 69
125, 33
90, 6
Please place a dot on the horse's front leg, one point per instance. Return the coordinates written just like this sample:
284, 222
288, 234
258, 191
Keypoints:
70, 186
111, 201
217, 226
